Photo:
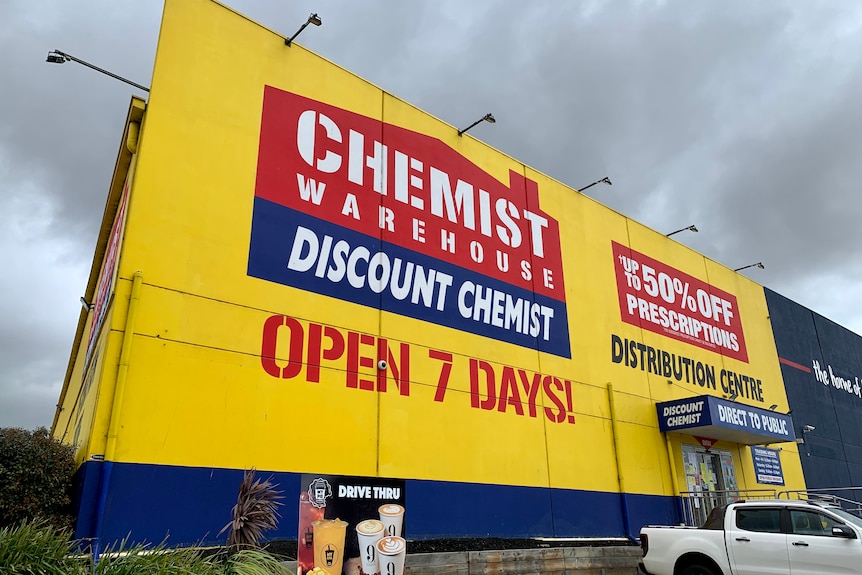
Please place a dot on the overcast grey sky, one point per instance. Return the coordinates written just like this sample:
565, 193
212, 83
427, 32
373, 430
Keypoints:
744, 118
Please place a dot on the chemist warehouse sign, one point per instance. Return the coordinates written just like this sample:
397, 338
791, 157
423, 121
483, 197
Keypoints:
370, 213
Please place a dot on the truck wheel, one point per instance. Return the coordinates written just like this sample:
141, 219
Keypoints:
697, 570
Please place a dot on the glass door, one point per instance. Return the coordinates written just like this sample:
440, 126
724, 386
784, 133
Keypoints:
710, 481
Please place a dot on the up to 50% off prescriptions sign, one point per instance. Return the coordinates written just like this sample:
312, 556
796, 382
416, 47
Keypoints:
665, 300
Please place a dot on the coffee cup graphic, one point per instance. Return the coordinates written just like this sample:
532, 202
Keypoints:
391, 552
392, 517
368, 533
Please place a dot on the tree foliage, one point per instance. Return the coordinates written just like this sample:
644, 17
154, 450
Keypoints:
36, 473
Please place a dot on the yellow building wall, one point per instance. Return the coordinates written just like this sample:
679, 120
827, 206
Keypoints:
200, 388
86, 402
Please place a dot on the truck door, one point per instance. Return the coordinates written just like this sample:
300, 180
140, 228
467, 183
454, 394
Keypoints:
756, 543
813, 550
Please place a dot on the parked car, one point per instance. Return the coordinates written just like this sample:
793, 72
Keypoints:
759, 537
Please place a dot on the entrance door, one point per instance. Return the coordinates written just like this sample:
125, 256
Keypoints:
710, 479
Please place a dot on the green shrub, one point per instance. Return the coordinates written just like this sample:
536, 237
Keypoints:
35, 477
155, 560
160, 560
254, 562
37, 548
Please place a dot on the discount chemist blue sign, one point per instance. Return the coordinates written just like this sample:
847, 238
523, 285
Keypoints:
721, 419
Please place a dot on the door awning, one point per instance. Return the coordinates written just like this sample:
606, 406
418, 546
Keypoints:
717, 418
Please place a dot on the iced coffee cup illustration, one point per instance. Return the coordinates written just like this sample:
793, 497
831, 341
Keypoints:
329, 545
369, 532
392, 516
390, 555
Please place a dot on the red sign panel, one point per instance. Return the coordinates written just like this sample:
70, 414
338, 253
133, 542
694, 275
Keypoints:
353, 208
665, 300
106, 279
408, 189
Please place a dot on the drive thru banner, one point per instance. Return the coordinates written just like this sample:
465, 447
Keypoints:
350, 499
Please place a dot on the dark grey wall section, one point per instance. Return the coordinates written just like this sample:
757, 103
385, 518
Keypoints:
822, 367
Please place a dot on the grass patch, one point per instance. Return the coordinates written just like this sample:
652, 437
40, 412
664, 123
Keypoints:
37, 548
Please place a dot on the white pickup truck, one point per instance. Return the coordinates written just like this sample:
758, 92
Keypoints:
758, 537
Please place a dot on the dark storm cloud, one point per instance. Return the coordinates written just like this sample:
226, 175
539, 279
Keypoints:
59, 131
740, 117
744, 121
60, 125
793, 186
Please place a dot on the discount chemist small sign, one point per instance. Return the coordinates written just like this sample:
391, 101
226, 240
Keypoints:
682, 414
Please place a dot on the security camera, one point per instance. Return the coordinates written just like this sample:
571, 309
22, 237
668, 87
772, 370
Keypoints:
381, 365
807, 428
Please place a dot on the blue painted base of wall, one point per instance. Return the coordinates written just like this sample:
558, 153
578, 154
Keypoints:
190, 505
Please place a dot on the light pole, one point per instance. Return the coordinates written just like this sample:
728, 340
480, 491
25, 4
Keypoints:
312, 19
605, 180
486, 118
689, 228
58, 57
757, 265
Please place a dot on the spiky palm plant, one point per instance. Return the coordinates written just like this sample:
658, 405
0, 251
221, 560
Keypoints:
256, 511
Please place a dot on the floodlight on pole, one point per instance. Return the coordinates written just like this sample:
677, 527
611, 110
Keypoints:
605, 180
58, 57
312, 19
486, 118
757, 265
689, 228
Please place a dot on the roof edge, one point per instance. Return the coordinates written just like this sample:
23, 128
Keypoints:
137, 106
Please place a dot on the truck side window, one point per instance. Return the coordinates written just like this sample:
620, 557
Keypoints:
716, 518
764, 520
811, 523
